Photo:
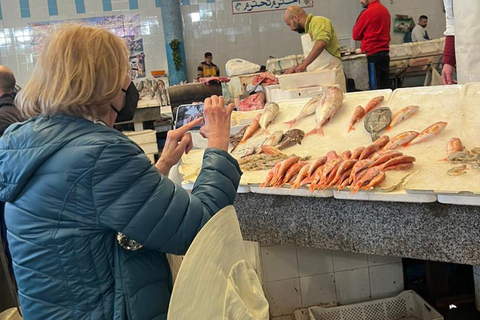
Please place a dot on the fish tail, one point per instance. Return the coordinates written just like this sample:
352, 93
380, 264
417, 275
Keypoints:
290, 123
389, 128
351, 128
312, 187
315, 131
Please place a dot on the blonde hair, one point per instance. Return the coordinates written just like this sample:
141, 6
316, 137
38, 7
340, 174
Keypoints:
79, 71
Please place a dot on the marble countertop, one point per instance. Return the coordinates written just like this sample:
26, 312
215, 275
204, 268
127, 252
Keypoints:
430, 231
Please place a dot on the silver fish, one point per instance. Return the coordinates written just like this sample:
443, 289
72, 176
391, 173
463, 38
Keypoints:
307, 109
274, 138
270, 112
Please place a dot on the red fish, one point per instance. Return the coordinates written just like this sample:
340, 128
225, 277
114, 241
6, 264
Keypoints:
357, 115
429, 132
372, 104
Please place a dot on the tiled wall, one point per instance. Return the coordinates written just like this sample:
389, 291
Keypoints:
433, 9
17, 53
296, 277
257, 36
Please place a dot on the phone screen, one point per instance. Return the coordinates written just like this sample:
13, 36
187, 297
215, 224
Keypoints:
187, 113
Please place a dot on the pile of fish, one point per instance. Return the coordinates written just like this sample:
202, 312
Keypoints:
363, 168
457, 153
277, 140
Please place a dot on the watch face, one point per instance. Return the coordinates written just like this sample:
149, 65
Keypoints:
187, 113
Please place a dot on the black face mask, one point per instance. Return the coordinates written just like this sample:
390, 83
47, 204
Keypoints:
129, 106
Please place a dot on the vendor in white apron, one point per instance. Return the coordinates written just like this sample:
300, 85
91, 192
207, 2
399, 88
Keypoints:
461, 46
320, 43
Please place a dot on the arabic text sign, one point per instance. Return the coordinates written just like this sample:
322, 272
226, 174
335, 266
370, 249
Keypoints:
250, 6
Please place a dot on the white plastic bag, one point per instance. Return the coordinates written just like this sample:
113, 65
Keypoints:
236, 67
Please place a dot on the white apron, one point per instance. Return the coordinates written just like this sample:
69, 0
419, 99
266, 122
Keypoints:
324, 61
467, 45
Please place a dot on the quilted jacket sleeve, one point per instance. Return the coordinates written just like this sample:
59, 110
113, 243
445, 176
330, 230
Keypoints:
132, 197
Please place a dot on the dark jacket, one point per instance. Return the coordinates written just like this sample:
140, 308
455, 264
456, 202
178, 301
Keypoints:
70, 186
8, 113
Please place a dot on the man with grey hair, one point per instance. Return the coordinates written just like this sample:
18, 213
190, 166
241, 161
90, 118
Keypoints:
8, 113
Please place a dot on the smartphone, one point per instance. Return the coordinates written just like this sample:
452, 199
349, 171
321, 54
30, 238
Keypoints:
187, 113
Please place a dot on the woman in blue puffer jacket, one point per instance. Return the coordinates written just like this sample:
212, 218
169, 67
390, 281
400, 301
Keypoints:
89, 219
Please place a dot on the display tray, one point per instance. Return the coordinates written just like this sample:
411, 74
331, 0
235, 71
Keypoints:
301, 192
241, 189
397, 196
455, 104
458, 105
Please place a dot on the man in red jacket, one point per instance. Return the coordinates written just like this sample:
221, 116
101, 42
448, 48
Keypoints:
373, 29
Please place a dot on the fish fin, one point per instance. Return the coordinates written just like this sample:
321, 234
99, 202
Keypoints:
406, 145
389, 128
351, 128
315, 131
290, 123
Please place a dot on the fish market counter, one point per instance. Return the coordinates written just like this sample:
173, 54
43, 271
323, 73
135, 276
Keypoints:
428, 231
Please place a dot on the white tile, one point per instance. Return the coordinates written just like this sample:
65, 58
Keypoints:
318, 289
347, 260
386, 281
352, 286
283, 296
314, 261
374, 260
279, 262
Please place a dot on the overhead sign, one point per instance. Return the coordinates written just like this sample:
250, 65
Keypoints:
252, 6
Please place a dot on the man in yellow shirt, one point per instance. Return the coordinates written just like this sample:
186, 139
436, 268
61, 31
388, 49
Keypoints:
320, 43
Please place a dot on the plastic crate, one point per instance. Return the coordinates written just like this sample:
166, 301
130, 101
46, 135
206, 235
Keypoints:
400, 51
307, 79
408, 305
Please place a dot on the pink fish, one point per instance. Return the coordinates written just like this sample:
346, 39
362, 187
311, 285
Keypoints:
402, 115
397, 160
308, 109
293, 170
375, 181
357, 152
357, 115
270, 175
252, 128
372, 104
454, 145
367, 177
400, 140
286, 164
429, 132
301, 176
316, 163
326, 109
381, 142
